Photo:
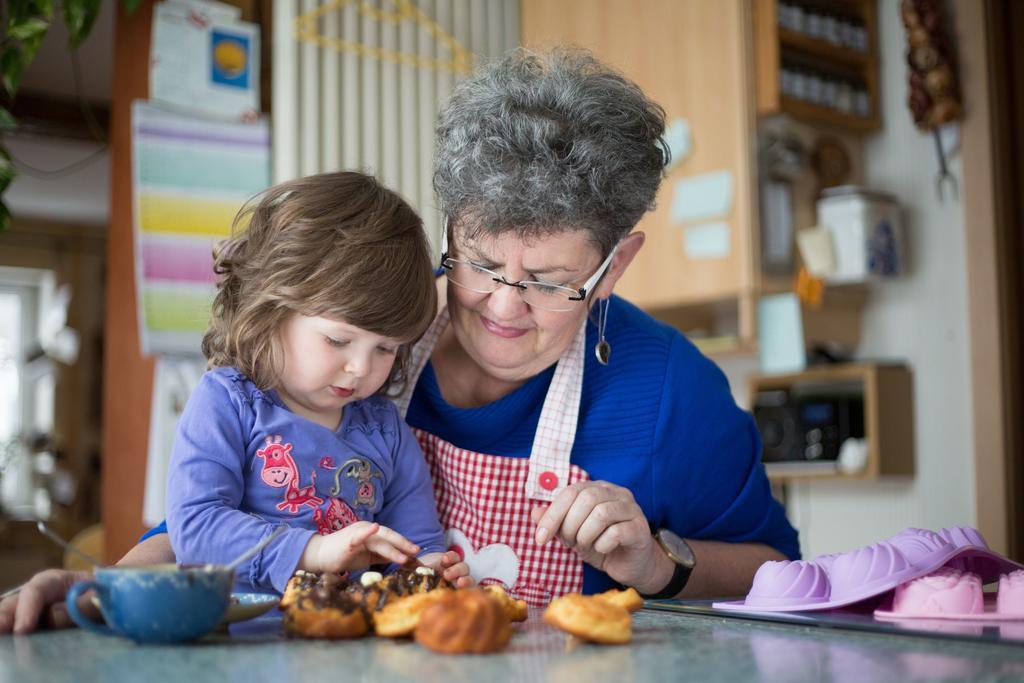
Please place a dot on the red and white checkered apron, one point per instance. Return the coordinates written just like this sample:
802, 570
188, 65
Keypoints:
484, 501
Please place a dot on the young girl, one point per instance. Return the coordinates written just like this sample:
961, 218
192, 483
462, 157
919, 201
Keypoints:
318, 302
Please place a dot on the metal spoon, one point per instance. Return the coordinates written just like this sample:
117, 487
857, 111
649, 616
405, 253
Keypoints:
233, 564
45, 531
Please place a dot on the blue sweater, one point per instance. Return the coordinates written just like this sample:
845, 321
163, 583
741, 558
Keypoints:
659, 419
243, 463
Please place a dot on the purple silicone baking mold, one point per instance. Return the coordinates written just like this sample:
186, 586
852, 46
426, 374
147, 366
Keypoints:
841, 579
949, 593
788, 583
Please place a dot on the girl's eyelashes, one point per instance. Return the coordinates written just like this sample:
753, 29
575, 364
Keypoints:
339, 343
387, 350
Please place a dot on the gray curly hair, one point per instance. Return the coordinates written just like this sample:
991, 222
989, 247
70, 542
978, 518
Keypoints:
540, 143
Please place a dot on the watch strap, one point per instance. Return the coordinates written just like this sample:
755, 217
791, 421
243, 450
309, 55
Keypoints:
675, 585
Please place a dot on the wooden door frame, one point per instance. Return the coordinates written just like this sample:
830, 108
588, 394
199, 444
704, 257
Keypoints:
990, 185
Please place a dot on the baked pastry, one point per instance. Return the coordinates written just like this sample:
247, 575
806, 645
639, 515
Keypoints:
516, 610
464, 621
331, 606
590, 617
301, 583
628, 598
400, 616
325, 610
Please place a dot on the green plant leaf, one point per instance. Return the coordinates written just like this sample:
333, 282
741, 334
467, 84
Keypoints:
28, 29
79, 16
12, 65
5, 217
7, 121
7, 171
130, 5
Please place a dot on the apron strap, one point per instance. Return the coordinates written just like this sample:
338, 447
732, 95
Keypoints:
556, 428
418, 358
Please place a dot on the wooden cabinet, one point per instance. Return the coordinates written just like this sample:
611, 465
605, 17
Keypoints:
829, 81
694, 57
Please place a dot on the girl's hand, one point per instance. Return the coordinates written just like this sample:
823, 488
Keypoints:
606, 527
355, 547
450, 566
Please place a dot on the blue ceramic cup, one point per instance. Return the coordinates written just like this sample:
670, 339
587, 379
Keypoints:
156, 604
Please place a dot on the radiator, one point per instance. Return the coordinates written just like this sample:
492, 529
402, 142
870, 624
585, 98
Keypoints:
358, 84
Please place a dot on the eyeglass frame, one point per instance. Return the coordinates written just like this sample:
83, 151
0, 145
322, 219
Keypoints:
518, 284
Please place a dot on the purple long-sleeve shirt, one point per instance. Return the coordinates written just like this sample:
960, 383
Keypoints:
243, 463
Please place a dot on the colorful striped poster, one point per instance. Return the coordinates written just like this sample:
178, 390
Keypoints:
190, 178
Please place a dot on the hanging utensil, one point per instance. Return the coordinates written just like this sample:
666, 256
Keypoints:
945, 178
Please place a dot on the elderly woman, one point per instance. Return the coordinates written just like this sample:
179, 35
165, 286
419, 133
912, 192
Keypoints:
574, 442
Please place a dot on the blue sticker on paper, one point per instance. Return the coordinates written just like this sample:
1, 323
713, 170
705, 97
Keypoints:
229, 59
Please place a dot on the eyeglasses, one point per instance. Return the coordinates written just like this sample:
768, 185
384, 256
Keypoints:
536, 294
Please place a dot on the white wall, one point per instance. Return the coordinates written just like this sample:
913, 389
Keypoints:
82, 196
921, 319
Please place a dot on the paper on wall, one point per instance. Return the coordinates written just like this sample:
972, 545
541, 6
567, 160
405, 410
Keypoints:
780, 334
190, 178
702, 197
204, 61
815, 245
708, 241
679, 142
174, 379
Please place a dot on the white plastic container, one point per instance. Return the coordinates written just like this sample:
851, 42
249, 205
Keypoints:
866, 231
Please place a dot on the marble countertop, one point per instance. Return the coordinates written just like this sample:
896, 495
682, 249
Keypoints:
666, 647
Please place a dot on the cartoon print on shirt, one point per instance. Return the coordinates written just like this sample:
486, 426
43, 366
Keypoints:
338, 516
362, 471
280, 471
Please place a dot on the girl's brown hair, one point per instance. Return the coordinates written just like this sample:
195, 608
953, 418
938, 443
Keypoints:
335, 245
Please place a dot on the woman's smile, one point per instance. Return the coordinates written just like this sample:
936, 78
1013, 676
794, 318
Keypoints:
502, 330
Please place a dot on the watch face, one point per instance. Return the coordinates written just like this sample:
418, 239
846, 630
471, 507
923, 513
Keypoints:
678, 549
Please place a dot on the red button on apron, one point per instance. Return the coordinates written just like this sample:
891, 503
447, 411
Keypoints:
548, 480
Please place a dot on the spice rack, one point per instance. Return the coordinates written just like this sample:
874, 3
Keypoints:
817, 60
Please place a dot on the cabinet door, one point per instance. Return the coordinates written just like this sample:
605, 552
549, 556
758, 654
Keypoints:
694, 58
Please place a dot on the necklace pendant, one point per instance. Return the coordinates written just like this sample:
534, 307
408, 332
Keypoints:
603, 351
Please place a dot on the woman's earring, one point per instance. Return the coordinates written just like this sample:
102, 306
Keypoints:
603, 350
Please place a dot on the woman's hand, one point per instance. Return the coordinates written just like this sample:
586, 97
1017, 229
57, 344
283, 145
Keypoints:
450, 566
40, 602
607, 529
355, 547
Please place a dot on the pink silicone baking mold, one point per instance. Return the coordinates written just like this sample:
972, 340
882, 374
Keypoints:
841, 579
950, 593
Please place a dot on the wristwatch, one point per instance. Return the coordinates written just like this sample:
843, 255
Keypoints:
682, 556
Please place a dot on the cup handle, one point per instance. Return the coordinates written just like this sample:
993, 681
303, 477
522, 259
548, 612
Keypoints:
71, 602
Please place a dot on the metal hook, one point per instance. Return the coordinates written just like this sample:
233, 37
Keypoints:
944, 177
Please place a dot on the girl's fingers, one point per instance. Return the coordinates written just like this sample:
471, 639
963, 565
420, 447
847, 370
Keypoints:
397, 541
387, 551
456, 571
450, 559
361, 532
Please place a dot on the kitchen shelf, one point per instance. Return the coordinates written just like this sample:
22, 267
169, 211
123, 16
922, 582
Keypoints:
887, 394
775, 45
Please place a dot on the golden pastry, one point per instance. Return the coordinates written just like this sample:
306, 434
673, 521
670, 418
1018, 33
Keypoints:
400, 616
464, 621
590, 618
301, 583
323, 607
516, 610
628, 598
